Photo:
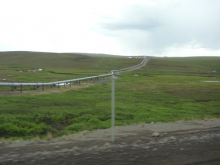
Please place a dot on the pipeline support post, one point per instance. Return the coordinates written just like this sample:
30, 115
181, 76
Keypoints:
21, 88
42, 87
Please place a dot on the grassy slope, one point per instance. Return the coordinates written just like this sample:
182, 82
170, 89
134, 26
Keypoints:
167, 89
56, 66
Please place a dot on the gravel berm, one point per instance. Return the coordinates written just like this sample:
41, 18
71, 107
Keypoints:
194, 142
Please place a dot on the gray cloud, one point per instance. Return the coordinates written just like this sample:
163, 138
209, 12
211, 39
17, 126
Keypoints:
133, 18
151, 29
147, 24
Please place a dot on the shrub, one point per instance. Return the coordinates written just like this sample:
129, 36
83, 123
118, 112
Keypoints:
76, 127
18, 128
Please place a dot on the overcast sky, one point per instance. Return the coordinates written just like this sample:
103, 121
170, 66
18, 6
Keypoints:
122, 27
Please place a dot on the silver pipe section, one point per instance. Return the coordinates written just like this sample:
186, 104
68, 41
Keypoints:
72, 80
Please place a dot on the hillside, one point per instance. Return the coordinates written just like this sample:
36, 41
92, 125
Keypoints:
57, 66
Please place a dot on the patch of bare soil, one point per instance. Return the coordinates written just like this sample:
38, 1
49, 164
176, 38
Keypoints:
61, 89
184, 142
53, 90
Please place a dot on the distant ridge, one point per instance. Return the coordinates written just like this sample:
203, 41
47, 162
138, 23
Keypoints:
60, 53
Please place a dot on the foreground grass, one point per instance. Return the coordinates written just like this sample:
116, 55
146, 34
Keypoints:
162, 93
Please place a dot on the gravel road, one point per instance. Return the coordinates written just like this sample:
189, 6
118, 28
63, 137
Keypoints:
183, 142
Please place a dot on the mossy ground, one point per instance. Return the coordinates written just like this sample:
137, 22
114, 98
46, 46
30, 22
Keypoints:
161, 92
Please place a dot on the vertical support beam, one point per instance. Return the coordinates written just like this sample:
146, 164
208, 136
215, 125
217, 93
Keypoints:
42, 87
34, 87
11, 88
113, 108
58, 85
51, 86
79, 82
21, 88
70, 83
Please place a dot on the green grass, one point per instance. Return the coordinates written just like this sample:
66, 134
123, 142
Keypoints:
162, 92
56, 66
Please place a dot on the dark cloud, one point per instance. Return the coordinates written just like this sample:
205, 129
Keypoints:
147, 24
154, 28
133, 18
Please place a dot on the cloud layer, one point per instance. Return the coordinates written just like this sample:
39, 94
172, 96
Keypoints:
162, 26
132, 27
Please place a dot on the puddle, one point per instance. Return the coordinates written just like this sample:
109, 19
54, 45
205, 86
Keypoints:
210, 81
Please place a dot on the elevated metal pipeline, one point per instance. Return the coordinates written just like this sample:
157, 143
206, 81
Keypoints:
71, 80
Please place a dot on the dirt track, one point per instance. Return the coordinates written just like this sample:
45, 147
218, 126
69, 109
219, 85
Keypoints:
184, 142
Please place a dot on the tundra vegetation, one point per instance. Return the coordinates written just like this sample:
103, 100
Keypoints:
165, 90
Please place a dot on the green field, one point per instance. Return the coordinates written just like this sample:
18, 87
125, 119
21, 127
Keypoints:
56, 66
167, 89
